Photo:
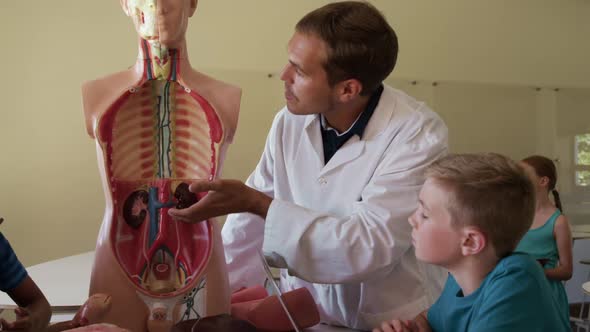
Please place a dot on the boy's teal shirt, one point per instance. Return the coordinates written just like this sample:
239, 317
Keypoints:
514, 297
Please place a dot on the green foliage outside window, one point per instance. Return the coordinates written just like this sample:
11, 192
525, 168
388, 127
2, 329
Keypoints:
583, 159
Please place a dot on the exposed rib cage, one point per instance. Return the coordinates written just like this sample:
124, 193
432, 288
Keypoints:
161, 135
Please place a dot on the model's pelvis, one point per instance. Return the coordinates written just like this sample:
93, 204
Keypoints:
164, 259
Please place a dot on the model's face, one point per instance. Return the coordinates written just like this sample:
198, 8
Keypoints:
306, 83
435, 240
163, 21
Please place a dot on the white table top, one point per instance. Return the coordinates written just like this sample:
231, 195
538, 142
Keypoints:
580, 235
580, 232
581, 228
64, 282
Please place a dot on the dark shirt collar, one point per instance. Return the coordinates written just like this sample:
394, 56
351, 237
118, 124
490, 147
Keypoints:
333, 140
359, 125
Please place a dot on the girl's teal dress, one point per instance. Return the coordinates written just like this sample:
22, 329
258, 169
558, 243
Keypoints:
540, 243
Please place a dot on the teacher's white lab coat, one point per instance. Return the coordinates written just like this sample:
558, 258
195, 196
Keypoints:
341, 229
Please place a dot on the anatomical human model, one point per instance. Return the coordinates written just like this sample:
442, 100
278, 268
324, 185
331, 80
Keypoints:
157, 126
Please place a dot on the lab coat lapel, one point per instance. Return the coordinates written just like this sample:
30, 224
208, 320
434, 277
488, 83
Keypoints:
354, 147
314, 139
351, 150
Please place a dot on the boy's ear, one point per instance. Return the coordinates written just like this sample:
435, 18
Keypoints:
473, 241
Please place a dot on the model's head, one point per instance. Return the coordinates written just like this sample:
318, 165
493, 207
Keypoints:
162, 21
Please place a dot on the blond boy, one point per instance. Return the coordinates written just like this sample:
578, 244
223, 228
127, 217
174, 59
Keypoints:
473, 210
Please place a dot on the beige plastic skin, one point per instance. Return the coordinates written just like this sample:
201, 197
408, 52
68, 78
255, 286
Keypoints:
91, 312
169, 21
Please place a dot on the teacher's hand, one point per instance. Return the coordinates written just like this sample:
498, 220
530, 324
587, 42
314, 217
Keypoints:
223, 197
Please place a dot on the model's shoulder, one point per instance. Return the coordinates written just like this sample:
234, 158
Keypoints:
211, 87
104, 85
99, 94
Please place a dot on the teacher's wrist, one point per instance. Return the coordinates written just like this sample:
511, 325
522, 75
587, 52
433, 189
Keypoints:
260, 204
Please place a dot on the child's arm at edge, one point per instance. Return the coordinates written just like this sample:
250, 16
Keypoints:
563, 238
34, 312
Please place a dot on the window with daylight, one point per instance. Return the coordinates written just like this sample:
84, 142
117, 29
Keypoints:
582, 160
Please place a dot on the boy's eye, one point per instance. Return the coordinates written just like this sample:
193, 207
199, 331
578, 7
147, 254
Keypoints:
424, 216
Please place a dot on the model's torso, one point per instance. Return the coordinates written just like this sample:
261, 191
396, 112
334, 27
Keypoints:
153, 139
158, 137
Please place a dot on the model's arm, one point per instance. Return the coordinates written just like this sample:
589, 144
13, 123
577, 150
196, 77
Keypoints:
33, 313
563, 238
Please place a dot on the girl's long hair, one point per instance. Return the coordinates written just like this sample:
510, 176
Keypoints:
544, 166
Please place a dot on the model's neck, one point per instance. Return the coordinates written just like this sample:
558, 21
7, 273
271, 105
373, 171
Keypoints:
159, 62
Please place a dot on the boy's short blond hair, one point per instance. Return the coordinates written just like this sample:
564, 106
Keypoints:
489, 191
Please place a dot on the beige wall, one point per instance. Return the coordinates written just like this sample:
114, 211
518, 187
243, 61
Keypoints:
487, 56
